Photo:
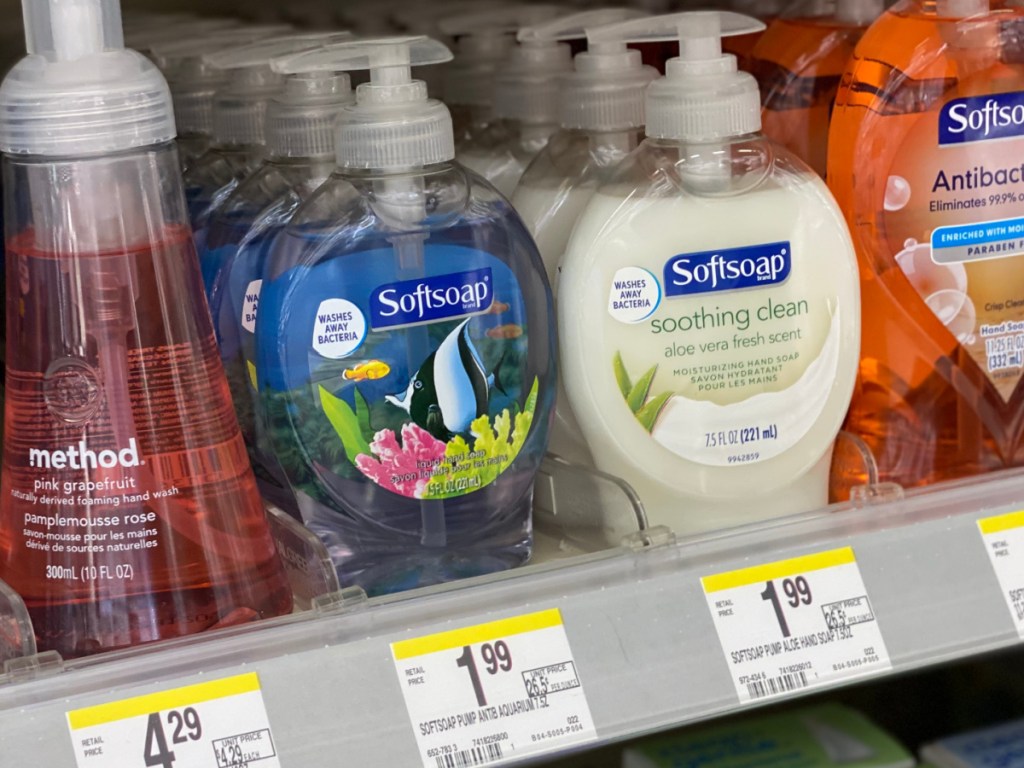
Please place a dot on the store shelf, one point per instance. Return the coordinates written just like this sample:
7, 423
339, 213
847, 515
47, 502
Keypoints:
641, 633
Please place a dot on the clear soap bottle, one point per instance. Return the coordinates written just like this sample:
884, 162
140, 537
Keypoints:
300, 157
129, 512
601, 119
798, 63
924, 156
708, 302
405, 345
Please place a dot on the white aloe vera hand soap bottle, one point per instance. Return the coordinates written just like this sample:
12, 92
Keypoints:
708, 303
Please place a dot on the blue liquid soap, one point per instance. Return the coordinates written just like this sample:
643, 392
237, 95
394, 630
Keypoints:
406, 358
300, 144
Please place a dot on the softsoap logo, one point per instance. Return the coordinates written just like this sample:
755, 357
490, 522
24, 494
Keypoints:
982, 118
80, 457
728, 270
431, 299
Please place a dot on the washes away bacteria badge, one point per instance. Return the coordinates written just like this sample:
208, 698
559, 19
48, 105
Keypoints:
422, 382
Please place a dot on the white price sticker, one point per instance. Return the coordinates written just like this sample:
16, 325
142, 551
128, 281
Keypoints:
796, 624
219, 724
493, 692
1004, 539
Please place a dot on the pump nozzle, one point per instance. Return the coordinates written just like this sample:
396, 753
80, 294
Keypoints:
393, 123
703, 96
240, 105
485, 40
606, 90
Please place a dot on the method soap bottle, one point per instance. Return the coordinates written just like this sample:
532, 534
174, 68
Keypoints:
924, 159
129, 512
300, 157
405, 342
601, 111
708, 301
798, 63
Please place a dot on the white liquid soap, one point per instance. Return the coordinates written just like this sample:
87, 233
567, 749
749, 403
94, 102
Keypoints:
709, 301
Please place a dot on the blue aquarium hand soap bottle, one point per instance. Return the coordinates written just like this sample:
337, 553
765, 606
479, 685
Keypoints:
300, 157
405, 342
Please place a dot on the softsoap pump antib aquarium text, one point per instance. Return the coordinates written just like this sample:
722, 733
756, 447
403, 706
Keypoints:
708, 301
405, 345
924, 157
300, 156
601, 118
129, 511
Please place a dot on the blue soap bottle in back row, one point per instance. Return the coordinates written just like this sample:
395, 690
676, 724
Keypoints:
300, 157
405, 345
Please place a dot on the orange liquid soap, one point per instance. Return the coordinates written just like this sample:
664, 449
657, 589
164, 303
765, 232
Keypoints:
798, 63
925, 158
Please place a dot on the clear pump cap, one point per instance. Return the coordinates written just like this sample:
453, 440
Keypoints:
240, 106
301, 118
79, 91
606, 90
194, 83
703, 96
393, 123
485, 41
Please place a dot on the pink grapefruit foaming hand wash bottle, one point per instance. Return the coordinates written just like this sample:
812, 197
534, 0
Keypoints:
128, 511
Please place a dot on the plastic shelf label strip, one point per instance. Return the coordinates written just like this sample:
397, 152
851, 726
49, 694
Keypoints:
218, 724
796, 624
493, 692
1004, 541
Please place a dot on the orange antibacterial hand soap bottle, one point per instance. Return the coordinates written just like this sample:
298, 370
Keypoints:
798, 63
925, 158
128, 511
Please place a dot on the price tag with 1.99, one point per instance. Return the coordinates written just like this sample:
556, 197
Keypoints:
492, 692
795, 624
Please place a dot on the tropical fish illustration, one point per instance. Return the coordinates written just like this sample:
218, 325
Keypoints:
509, 331
370, 370
497, 308
450, 389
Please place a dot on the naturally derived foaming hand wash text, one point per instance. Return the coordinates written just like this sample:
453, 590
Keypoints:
925, 160
708, 303
405, 345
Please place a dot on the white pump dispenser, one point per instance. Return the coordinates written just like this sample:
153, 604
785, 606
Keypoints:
393, 124
239, 121
194, 83
79, 91
703, 96
709, 300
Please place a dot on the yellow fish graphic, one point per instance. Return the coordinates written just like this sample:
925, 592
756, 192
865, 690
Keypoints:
368, 371
497, 308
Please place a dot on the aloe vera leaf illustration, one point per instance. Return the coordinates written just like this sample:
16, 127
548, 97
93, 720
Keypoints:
638, 395
363, 415
345, 423
648, 415
622, 375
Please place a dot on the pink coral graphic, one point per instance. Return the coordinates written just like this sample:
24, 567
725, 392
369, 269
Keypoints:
403, 469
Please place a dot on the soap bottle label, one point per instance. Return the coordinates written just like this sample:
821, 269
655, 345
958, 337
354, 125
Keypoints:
415, 381
954, 220
749, 355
